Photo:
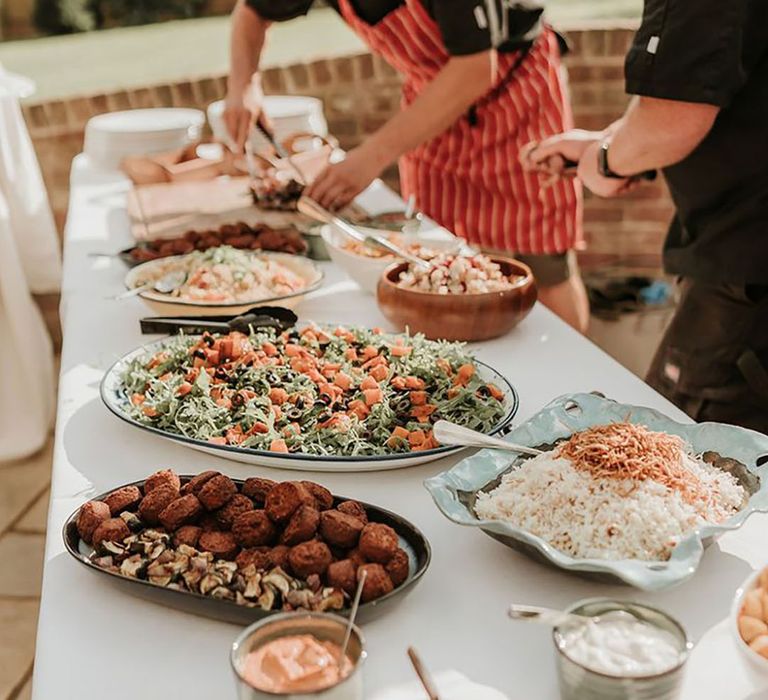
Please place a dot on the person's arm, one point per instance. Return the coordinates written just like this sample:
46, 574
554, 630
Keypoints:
462, 81
246, 43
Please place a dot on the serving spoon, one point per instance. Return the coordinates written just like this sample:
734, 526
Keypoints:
553, 617
168, 283
447, 433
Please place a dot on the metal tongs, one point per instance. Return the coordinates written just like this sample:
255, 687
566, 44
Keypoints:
257, 317
309, 207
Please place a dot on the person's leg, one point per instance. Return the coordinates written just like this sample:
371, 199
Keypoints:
560, 287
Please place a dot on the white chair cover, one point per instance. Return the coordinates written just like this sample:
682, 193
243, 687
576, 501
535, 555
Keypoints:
29, 262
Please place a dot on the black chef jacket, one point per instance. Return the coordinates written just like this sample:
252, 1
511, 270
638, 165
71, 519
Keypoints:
463, 23
713, 52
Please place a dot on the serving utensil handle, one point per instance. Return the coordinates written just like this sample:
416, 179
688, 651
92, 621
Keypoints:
447, 433
131, 292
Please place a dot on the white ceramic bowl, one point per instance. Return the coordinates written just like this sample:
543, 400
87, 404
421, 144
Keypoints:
164, 305
365, 271
751, 582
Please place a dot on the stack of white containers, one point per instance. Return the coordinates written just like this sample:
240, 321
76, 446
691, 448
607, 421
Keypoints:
111, 137
288, 114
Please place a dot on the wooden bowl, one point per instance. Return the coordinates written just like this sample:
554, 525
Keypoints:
458, 316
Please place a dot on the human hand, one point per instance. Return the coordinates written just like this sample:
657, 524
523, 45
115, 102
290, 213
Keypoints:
339, 183
237, 120
589, 174
553, 156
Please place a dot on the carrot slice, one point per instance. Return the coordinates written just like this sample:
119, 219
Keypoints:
278, 446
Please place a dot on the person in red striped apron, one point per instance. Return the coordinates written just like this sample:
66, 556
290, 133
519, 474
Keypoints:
481, 78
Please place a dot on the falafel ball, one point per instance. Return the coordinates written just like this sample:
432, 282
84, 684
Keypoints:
356, 557
216, 492
209, 523
354, 509
302, 526
378, 542
342, 574
284, 499
182, 511
188, 535
398, 567
112, 530
340, 529
377, 582
253, 529
309, 558
237, 505
221, 544
279, 557
197, 482
91, 515
162, 478
256, 556
124, 498
156, 501
257, 489
323, 497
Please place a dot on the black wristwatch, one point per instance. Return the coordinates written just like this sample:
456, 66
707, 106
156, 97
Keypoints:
602, 163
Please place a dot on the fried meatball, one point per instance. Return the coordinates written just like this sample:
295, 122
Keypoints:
112, 530
197, 482
284, 498
253, 529
156, 501
340, 529
164, 477
323, 497
258, 556
279, 557
378, 542
377, 582
342, 574
257, 489
123, 499
237, 505
397, 567
309, 558
182, 511
302, 526
221, 544
216, 492
188, 535
354, 509
91, 515
356, 557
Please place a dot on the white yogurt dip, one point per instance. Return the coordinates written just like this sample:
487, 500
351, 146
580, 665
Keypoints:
618, 644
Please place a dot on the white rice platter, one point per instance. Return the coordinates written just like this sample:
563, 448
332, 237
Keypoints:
619, 492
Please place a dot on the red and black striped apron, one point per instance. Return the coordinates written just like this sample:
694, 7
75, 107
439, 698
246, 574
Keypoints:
469, 178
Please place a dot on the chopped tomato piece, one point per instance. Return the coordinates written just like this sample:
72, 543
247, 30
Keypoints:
315, 376
425, 410
350, 354
138, 399
372, 396
415, 383
400, 350
292, 350
369, 383
224, 403
379, 373
496, 393
342, 380
444, 365
278, 395
453, 392
184, 389
278, 446
417, 437
269, 348
259, 427
418, 398
464, 375
398, 383
276, 411
149, 411
401, 432
302, 364
369, 352
218, 440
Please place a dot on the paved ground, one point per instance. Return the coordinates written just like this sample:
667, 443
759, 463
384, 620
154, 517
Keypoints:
119, 58
23, 510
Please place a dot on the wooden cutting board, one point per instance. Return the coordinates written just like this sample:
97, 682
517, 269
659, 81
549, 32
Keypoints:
169, 209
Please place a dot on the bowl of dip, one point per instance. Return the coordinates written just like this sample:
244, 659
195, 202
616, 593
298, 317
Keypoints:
622, 651
296, 655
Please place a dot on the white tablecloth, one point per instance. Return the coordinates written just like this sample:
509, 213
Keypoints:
95, 640
29, 261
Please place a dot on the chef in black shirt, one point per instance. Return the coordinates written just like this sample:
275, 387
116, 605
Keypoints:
699, 73
481, 78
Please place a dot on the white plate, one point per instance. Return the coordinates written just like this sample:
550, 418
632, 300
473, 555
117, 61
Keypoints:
115, 399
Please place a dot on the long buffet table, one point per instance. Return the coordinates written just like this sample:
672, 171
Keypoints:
96, 641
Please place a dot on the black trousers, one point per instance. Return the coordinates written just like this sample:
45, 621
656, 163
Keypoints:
713, 359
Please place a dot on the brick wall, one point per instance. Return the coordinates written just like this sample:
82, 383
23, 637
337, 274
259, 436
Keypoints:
360, 92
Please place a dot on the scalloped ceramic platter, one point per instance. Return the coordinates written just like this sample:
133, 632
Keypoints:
454, 491
114, 398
